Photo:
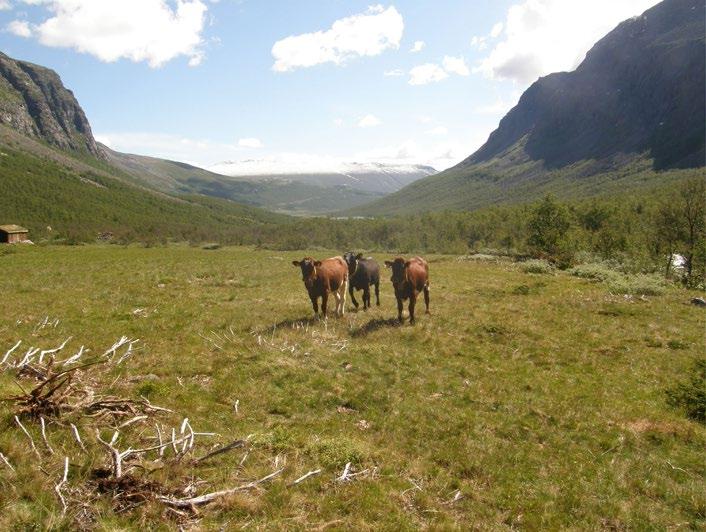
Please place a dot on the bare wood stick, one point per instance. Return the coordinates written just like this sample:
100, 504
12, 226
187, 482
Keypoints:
344, 475
7, 462
31, 440
174, 447
46, 352
131, 421
58, 487
74, 358
12, 349
77, 436
304, 477
210, 497
159, 438
44, 434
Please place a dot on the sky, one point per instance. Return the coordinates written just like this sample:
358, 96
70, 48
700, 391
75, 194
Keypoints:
206, 81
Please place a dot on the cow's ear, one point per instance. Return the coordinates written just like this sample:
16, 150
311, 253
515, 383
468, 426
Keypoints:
406, 264
317, 263
388, 263
296, 263
359, 256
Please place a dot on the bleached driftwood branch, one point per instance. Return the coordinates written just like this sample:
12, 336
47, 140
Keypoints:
58, 487
210, 497
7, 462
304, 477
9, 352
31, 440
44, 434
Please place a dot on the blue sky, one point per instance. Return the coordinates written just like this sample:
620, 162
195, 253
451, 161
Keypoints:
201, 81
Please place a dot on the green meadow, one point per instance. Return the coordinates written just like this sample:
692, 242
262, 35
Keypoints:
525, 400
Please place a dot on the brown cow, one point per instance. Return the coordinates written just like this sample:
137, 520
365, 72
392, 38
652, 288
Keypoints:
409, 278
323, 277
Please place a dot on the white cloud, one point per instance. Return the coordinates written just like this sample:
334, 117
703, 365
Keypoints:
366, 34
5, 5
138, 30
369, 121
426, 73
456, 65
497, 30
20, 28
544, 36
418, 46
394, 73
480, 43
251, 143
338, 122
438, 131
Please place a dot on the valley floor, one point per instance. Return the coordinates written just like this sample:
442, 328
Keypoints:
523, 401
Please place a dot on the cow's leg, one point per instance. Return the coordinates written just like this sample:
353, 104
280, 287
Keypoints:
399, 308
377, 293
337, 297
315, 304
426, 297
366, 298
351, 292
412, 303
324, 303
342, 291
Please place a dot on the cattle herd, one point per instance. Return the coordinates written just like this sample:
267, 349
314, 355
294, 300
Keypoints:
352, 272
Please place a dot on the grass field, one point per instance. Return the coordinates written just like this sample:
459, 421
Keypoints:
528, 401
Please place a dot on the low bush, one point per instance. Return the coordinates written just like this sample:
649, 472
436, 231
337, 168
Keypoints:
537, 266
637, 285
690, 396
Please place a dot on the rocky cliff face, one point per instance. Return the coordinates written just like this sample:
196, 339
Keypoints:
34, 102
639, 90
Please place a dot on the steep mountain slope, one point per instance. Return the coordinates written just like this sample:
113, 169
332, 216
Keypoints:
631, 115
34, 102
56, 180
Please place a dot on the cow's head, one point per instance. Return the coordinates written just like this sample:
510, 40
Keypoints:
399, 270
308, 267
352, 261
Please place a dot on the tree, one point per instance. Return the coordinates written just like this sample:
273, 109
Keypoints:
548, 227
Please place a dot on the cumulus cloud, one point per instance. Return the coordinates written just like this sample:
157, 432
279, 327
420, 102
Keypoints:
433, 73
139, 30
250, 143
394, 73
20, 28
426, 73
456, 65
5, 5
369, 121
418, 47
365, 34
544, 36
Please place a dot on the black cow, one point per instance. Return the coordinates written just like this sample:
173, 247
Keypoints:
362, 274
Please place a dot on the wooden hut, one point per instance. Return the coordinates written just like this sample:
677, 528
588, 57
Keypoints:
12, 234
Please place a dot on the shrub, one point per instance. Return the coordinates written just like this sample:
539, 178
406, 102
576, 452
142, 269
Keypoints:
637, 285
596, 271
691, 395
536, 266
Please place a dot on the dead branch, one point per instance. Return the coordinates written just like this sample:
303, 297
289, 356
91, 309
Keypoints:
210, 497
7, 355
58, 487
44, 434
52, 352
7, 462
31, 440
77, 436
304, 477
345, 475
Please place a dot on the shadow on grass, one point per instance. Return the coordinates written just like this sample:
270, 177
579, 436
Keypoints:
296, 323
375, 325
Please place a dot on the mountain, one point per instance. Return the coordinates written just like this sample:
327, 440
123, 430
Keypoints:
372, 177
34, 102
631, 115
284, 187
59, 182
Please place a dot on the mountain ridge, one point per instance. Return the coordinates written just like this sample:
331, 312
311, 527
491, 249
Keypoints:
631, 115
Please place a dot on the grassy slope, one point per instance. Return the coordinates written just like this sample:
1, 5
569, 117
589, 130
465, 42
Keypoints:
276, 194
546, 410
81, 197
513, 178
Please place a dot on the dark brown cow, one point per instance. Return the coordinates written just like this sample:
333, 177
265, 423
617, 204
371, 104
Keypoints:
409, 278
322, 277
